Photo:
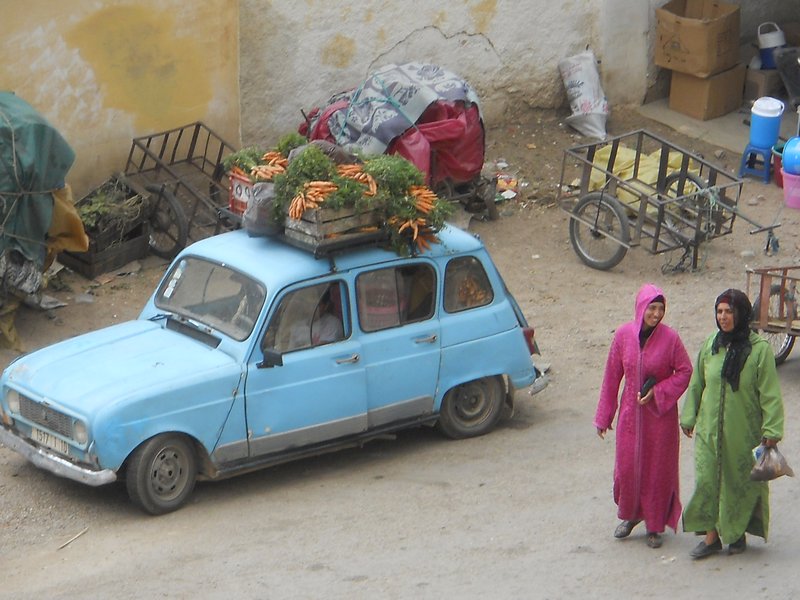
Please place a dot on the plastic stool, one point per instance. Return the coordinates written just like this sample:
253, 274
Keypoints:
757, 162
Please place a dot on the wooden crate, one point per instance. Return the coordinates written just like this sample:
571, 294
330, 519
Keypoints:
94, 262
322, 224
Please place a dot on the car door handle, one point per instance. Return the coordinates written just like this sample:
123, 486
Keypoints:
350, 359
426, 340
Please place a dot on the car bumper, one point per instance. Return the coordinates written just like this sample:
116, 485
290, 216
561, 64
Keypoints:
57, 465
539, 384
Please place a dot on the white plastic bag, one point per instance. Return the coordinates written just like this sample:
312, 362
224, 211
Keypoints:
585, 94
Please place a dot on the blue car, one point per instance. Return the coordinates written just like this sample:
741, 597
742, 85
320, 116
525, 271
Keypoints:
253, 352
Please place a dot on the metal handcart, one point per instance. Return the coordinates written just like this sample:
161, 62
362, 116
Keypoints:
640, 189
775, 314
182, 171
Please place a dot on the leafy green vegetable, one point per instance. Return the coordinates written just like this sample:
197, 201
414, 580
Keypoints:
245, 159
310, 165
289, 142
393, 174
111, 207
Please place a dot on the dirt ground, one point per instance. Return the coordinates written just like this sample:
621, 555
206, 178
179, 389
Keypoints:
525, 512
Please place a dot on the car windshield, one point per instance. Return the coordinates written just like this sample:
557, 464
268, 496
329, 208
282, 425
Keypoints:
212, 294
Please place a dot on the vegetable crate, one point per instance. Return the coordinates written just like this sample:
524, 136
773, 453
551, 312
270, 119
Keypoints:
184, 166
102, 259
241, 191
321, 229
640, 189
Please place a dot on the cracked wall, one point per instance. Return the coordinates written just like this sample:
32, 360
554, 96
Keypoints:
295, 55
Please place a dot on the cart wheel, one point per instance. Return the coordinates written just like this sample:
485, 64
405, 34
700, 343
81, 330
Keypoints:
601, 245
782, 343
169, 229
692, 212
445, 189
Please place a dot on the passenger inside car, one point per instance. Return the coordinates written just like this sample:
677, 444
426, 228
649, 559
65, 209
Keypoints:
327, 324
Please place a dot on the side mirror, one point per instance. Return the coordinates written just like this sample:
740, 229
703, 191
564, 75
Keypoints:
272, 358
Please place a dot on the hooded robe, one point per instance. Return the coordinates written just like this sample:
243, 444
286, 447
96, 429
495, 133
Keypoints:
646, 483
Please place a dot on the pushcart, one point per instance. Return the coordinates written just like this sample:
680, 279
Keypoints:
640, 189
182, 171
775, 314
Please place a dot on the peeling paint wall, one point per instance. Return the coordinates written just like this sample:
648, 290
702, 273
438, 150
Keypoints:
105, 72
297, 54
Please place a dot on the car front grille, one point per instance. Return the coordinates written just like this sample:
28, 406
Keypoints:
45, 417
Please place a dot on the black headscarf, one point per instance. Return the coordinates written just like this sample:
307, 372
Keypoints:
737, 341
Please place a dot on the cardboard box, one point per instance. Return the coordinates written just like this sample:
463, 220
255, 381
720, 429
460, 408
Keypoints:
709, 97
791, 31
762, 82
697, 37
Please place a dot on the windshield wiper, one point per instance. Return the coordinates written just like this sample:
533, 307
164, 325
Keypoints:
193, 330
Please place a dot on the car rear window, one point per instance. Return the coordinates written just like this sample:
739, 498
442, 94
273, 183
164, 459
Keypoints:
466, 285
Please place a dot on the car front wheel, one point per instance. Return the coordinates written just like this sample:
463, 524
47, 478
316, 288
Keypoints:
161, 473
472, 408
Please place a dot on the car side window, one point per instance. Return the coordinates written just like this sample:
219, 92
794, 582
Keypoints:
466, 285
308, 317
395, 296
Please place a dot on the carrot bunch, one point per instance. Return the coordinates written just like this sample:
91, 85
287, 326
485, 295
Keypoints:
422, 200
424, 196
418, 228
275, 163
356, 173
312, 195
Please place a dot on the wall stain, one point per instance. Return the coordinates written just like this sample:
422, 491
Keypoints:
339, 51
140, 66
483, 13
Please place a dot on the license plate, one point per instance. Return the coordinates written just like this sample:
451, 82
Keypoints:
50, 441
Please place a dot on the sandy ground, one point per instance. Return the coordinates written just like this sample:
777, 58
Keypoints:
525, 512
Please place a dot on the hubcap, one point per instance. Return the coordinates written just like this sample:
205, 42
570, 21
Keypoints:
168, 474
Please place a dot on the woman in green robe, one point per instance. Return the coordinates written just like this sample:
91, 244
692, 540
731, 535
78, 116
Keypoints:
732, 405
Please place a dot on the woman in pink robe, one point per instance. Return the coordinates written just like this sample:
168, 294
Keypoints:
648, 441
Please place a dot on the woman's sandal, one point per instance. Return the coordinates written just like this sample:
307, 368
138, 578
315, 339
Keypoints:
654, 540
624, 529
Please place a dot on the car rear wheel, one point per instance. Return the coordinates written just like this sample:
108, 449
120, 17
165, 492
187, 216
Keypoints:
161, 473
472, 408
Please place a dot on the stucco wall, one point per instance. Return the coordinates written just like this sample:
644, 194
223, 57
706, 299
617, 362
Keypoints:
297, 54
105, 72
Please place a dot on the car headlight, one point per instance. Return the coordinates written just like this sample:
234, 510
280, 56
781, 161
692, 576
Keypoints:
79, 432
12, 397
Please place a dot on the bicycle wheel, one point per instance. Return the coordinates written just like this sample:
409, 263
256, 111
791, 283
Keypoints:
781, 342
599, 231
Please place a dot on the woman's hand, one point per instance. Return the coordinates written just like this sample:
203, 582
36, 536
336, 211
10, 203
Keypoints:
646, 398
687, 431
602, 432
769, 443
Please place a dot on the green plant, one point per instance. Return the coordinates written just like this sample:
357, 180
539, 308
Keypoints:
245, 159
393, 174
310, 165
289, 142
111, 207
